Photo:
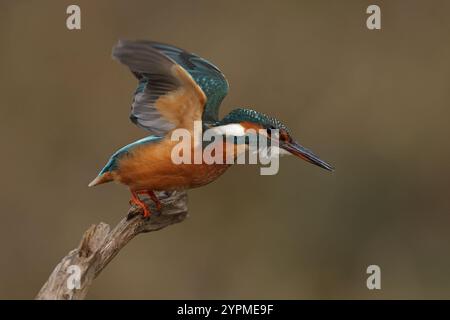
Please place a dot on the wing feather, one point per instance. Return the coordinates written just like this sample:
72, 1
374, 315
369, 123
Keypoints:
167, 97
210, 79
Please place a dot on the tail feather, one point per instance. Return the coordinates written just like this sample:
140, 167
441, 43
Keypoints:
101, 178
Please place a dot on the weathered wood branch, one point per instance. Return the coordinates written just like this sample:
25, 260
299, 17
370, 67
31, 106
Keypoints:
99, 245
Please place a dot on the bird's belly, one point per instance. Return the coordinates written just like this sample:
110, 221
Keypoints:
172, 177
202, 174
153, 169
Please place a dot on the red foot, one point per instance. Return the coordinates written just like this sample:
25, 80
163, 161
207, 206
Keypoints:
155, 199
138, 202
141, 204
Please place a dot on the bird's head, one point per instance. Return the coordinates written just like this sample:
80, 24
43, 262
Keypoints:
245, 119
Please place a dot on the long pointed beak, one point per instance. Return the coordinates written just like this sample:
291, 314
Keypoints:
305, 154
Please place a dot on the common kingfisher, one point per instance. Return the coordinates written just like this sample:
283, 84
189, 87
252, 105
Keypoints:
175, 89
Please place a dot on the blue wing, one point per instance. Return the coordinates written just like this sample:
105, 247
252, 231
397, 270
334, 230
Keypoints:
210, 79
167, 96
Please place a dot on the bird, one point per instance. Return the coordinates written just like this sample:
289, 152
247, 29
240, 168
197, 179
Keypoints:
175, 89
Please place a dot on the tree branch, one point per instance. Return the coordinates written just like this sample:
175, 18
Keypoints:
99, 245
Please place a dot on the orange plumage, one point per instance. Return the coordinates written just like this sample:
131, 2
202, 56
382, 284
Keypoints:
177, 89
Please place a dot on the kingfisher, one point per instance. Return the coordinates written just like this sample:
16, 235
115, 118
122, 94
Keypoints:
175, 89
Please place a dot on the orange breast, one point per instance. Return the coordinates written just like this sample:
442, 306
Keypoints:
150, 167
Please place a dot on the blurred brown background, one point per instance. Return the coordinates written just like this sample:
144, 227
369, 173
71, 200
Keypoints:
376, 104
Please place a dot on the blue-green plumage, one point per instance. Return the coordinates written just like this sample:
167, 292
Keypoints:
161, 72
215, 90
142, 56
141, 85
248, 115
210, 79
111, 165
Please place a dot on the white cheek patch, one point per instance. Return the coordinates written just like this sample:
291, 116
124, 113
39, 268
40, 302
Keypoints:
233, 129
237, 130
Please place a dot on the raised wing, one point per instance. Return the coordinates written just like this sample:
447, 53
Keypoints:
167, 97
206, 75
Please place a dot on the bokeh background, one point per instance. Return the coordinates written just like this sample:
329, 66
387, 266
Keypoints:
376, 104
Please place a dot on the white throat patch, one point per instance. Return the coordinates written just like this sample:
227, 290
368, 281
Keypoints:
232, 129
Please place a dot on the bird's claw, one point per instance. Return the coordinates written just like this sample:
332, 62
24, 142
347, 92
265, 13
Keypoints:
144, 210
146, 213
136, 202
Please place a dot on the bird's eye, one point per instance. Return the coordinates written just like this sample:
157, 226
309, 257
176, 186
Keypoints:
284, 136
